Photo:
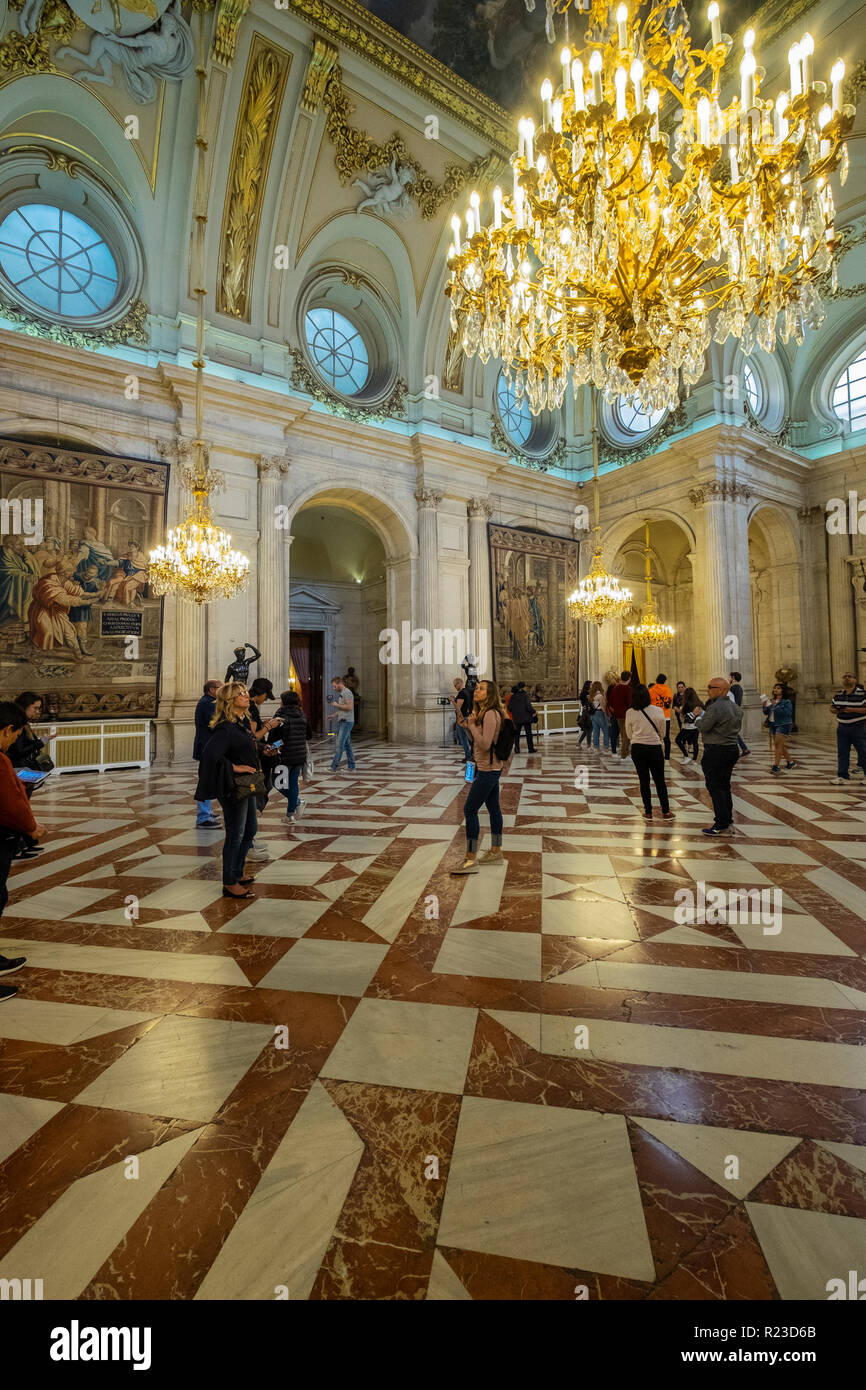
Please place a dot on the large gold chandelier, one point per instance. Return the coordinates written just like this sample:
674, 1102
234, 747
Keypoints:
619, 253
599, 595
197, 562
650, 631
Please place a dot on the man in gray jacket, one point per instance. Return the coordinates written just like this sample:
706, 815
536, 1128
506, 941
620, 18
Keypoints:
719, 727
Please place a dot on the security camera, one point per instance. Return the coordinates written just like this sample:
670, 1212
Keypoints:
580, 486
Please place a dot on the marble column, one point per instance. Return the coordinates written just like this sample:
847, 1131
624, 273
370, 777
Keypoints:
812, 587
428, 581
273, 569
722, 598
843, 641
588, 633
480, 615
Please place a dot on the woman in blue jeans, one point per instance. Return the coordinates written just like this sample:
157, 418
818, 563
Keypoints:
483, 725
291, 737
598, 707
231, 749
779, 710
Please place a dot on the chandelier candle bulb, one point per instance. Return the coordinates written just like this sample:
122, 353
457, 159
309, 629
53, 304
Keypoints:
557, 116
497, 209
747, 81
457, 229
807, 49
780, 123
837, 73
637, 79
704, 121
622, 26
652, 102
521, 144
794, 65
565, 60
715, 23
620, 78
530, 136
595, 69
577, 80
546, 95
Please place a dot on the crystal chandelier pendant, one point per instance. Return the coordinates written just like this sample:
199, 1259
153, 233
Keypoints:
598, 596
197, 562
619, 254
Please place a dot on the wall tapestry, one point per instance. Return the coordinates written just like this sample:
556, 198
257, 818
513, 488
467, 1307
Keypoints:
77, 621
534, 637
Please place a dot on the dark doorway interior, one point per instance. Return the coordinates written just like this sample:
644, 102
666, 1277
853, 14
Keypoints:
307, 659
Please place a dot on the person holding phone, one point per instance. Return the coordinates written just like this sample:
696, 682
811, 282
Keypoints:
779, 711
16, 819
483, 726
27, 754
289, 740
231, 751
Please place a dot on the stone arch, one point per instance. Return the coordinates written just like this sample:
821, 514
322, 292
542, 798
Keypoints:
390, 523
619, 531
774, 579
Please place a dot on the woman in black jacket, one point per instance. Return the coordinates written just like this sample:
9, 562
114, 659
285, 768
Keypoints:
24, 754
584, 719
687, 738
292, 734
521, 711
231, 749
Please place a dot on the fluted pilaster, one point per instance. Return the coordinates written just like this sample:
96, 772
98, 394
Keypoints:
273, 568
428, 577
480, 619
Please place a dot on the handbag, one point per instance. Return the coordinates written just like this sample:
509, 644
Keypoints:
309, 768
43, 762
248, 784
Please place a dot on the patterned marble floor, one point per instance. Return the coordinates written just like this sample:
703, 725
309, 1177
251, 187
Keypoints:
377, 1081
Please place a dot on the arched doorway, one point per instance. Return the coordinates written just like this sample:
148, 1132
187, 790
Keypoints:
624, 553
352, 564
775, 599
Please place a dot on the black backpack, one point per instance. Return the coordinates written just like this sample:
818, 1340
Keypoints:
504, 742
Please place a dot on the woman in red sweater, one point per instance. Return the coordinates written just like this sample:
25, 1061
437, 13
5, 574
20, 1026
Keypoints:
16, 819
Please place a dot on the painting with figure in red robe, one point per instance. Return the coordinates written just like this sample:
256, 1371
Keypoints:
534, 636
78, 621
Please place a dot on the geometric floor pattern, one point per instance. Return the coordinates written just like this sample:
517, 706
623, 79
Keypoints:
376, 1081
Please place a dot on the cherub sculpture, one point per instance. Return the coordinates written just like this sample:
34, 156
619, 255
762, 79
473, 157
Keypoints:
388, 192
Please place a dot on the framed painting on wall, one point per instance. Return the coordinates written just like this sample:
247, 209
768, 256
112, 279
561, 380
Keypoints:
534, 635
78, 623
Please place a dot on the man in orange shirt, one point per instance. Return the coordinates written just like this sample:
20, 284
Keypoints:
662, 697
16, 819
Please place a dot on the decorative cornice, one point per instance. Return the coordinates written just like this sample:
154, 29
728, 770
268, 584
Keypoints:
131, 328
480, 507
539, 464
304, 380
675, 420
354, 27
264, 84
355, 151
17, 456
427, 499
719, 490
781, 436
323, 56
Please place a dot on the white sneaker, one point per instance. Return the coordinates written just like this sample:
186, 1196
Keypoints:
299, 809
257, 853
840, 782
290, 818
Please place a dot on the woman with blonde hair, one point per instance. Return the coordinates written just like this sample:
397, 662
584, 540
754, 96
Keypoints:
484, 725
599, 711
230, 772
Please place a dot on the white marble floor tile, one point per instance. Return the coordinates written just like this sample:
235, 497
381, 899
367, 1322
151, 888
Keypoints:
551, 1185
734, 871
839, 888
326, 967
583, 864
503, 955
186, 895
697, 1049
443, 1285
183, 1068
606, 920
710, 1149
388, 914
55, 903
43, 1021
418, 1046
855, 1154
481, 894
136, 963
21, 1117
800, 934
708, 984
806, 1249
359, 844
283, 1232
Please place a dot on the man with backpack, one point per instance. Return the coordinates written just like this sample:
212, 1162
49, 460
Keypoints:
521, 711
492, 735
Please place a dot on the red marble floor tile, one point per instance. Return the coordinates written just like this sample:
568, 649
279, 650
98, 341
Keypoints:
681, 1205
50, 1072
728, 1264
383, 1245
814, 1179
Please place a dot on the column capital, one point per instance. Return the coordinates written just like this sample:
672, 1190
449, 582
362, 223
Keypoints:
719, 490
808, 513
427, 499
480, 507
277, 464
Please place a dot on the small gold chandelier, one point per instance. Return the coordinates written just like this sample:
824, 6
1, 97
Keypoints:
197, 562
620, 253
599, 595
650, 631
